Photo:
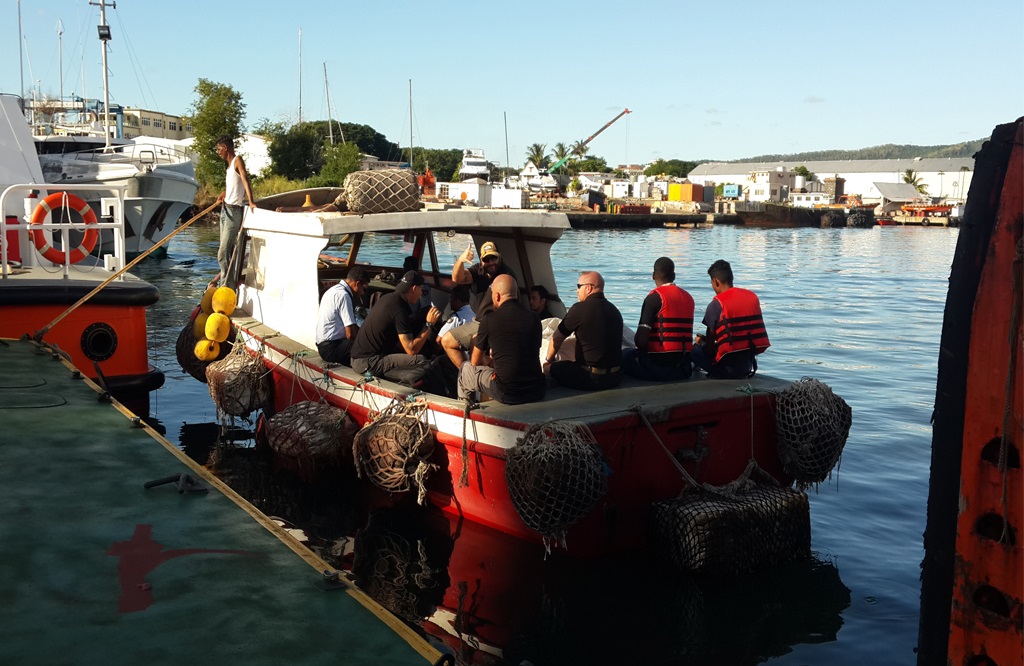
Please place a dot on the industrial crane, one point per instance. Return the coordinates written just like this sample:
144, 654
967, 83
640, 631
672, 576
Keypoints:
589, 139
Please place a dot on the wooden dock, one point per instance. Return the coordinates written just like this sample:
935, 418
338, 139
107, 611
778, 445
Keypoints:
117, 548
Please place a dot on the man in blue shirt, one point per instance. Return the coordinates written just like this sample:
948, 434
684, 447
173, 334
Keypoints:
336, 325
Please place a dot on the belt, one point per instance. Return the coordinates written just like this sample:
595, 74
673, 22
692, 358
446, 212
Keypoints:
601, 371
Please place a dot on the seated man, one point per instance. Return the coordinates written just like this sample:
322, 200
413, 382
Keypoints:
664, 337
539, 301
598, 328
735, 329
336, 325
387, 345
461, 312
479, 277
420, 307
508, 339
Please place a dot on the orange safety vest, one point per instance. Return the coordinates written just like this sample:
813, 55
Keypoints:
740, 326
673, 328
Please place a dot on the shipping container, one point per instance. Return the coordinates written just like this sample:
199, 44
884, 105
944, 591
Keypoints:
691, 192
675, 191
731, 191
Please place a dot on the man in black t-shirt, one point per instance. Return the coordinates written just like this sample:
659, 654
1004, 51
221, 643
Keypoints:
598, 328
511, 336
387, 346
479, 278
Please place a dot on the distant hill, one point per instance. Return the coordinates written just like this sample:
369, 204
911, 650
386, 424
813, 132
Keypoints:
888, 151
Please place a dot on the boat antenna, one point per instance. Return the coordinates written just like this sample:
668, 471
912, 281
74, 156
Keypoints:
104, 32
327, 91
508, 166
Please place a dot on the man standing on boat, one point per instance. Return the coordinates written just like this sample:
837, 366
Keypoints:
236, 192
735, 329
598, 328
387, 346
508, 340
336, 325
664, 337
479, 278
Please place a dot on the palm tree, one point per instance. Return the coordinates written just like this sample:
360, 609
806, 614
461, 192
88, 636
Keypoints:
912, 178
561, 152
579, 149
537, 154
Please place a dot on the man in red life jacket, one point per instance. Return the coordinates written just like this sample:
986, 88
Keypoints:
664, 337
735, 329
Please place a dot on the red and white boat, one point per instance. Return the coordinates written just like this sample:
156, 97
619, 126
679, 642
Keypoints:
711, 428
47, 266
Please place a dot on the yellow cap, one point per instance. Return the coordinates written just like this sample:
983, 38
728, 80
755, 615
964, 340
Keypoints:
488, 249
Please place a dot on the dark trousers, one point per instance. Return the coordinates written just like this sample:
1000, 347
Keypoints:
335, 351
574, 375
402, 368
642, 365
737, 365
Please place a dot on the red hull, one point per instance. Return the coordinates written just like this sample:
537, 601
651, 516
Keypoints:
712, 437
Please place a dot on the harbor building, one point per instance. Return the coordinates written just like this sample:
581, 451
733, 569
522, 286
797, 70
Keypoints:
947, 178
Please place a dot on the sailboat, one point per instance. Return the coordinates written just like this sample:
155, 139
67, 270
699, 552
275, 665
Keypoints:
159, 180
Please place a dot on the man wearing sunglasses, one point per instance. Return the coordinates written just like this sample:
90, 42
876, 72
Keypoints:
479, 277
598, 328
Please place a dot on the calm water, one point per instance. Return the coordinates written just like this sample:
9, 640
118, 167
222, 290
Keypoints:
859, 309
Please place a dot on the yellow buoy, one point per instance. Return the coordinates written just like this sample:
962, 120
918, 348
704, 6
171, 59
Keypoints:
218, 327
199, 326
308, 203
207, 350
224, 301
207, 304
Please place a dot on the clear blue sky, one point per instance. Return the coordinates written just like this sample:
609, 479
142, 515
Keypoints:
704, 80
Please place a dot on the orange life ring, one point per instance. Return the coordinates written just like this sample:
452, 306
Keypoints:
43, 239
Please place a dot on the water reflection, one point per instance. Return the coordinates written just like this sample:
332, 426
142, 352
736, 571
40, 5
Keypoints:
489, 598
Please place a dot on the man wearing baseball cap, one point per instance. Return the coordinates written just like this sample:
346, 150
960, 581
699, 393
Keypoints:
387, 345
479, 277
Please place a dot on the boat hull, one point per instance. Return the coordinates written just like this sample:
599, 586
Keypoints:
106, 335
711, 428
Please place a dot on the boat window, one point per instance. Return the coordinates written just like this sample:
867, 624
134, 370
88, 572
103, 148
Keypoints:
339, 247
449, 245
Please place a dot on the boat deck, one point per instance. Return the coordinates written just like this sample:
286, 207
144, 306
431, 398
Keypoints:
99, 569
560, 402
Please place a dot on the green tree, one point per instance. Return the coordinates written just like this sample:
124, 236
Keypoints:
677, 168
592, 164
802, 171
339, 161
444, 162
218, 111
912, 178
579, 149
537, 153
298, 153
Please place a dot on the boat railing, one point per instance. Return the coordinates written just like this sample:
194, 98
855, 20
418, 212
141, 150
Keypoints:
14, 229
142, 154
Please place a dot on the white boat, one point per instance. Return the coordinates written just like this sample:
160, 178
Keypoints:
105, 337
646, 432
159, 182
474, 165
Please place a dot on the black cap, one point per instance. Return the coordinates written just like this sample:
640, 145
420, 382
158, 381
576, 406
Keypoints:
408, 281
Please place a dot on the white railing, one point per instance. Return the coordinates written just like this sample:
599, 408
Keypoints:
113, 205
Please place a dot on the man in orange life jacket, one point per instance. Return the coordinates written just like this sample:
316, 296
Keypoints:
736, 332
664, 337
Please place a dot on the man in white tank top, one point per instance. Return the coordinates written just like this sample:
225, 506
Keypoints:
237, 192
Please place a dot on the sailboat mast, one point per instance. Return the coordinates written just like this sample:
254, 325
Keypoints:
60, 58
327, 91
104, 32
410, 124
21, 63
300, 76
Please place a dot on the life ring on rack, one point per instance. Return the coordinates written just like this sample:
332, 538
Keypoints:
42, 238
